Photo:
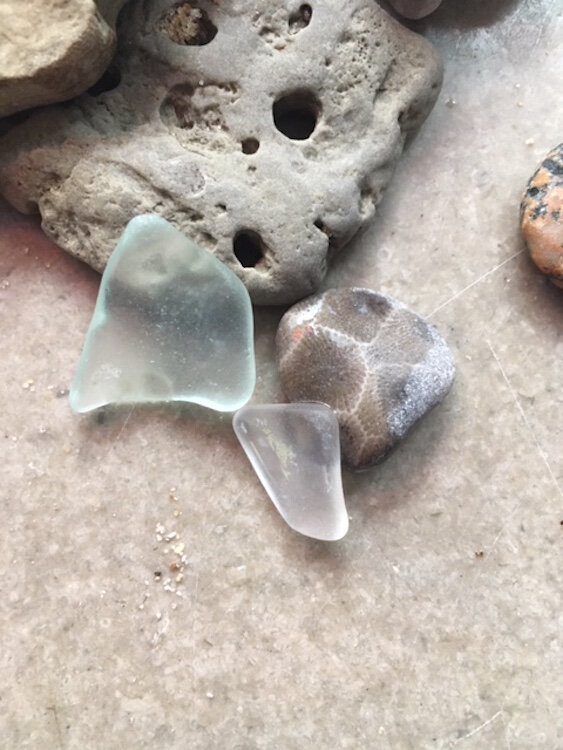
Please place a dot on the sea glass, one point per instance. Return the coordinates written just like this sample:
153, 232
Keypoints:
171, 323
295, 451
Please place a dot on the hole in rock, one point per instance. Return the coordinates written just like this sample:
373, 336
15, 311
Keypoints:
31, 207
368, 201
186, 24
296, 114
110, 80
408, 118
248, 248
300, 19
333, 243
208, 239
177, 109
250, 146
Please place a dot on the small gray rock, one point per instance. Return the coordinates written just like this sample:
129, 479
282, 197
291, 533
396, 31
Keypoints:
379, 365
52, 50
266, 132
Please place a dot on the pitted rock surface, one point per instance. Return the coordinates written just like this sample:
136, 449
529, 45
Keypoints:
415, 8
264, 132
542, 216
379, 365
52, 50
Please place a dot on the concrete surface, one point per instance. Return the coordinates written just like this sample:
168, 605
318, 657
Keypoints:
437, 622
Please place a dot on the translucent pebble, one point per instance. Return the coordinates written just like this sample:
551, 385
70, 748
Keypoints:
171, 323
295, 451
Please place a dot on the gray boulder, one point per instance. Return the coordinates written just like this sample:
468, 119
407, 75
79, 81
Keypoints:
265, 132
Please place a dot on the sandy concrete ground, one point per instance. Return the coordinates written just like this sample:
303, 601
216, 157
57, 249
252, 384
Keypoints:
437, 622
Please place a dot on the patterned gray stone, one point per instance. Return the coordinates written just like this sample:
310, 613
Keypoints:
379, 365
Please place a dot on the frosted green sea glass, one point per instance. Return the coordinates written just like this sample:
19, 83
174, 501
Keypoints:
295, 451
171, 323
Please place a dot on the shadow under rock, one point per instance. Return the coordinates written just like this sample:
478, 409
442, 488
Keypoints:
464, 15
536, 298
396, 482
9, 122
267, 319
23, 243
530, 294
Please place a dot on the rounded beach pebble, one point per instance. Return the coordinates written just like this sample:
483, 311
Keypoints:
415, 8
379, 365
542, 216
52, 50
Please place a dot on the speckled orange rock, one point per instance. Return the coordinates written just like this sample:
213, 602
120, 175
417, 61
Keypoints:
542, 216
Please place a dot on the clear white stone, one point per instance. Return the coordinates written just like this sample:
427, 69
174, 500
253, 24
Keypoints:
295, 451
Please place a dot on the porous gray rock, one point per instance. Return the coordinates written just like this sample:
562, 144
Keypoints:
52, 50
265, 132
379, 365
415, 8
